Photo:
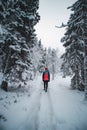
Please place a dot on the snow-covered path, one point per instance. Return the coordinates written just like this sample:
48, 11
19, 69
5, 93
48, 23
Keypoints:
58, 109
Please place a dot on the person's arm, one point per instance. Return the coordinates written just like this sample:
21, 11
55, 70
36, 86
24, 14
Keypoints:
43, 76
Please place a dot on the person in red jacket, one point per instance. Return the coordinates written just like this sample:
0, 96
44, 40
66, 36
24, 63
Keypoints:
46, 78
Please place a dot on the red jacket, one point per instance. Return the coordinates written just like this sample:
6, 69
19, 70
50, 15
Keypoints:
46, 75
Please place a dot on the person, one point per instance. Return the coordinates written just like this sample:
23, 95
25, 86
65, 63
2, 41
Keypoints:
46, 78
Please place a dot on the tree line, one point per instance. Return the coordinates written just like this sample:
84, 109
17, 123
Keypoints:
22, 55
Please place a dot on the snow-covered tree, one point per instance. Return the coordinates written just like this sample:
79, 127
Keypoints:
42, 57
36, 57
18, 18
42, 62
52, 61
65, 66
75, 40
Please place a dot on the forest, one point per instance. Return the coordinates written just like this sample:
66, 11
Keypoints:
23, 59
22, 55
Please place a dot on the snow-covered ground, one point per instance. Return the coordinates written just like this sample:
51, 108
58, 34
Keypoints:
58, 109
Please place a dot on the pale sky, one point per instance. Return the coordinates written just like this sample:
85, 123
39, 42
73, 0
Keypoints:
53, 12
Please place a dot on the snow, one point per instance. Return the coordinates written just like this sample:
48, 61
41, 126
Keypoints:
31, 17
1, 77
34, 109
2, 30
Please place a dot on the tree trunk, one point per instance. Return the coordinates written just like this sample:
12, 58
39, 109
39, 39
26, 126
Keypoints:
85, 54
7, 61
53, 72
77, 77
4, 85
85, 76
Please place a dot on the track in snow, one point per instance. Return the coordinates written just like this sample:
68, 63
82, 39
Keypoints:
46, 115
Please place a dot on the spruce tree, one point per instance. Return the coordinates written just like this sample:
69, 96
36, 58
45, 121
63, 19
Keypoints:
18, 18
74, 41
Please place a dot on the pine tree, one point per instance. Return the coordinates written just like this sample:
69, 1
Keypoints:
65, 68
74, 41
18, 18
42, 62
52, 61
36, 57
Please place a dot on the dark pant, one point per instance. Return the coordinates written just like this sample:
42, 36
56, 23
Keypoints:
45, 85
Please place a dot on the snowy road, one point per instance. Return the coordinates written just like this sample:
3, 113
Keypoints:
58, 109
